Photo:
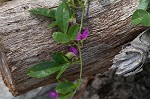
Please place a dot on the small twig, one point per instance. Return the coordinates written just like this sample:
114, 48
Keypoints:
84, 87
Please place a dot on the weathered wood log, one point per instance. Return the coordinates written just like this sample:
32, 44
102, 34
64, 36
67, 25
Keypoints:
25, 40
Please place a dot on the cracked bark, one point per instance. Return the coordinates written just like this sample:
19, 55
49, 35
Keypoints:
25, 40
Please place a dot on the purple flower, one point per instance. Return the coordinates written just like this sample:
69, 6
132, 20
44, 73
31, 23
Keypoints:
79, 37
53, 94
83, 36
73, 50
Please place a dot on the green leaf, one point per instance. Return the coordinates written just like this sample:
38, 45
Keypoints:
62, 97
60, 58
143, 4
44, 12
62, 70
138, 16
66, 96
53, 24
62, 17
61, 37
78, 83
44, 69
146, 20
73, 31
65, 87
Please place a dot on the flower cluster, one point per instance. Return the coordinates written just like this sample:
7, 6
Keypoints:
83, 36
79, 37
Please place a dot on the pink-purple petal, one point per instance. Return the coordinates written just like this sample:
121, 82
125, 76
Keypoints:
74, 50
79, 37
85, 34
53, 94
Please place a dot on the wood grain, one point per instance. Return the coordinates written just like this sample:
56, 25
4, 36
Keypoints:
25, 39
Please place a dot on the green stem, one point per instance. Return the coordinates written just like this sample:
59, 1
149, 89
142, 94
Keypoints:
81, 67
85, 2
82, 17
81, 63
79, 45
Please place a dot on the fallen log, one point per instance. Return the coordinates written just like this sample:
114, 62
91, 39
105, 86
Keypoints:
25, 40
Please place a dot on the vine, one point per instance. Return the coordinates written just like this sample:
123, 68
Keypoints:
72, 34
69, 33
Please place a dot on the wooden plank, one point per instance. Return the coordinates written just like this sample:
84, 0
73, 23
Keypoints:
25, 40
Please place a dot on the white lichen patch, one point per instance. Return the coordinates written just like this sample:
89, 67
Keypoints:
131, 58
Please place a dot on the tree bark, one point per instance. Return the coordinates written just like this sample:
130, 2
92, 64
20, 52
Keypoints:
25, 39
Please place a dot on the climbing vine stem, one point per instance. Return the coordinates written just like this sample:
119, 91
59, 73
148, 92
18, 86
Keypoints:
79, 46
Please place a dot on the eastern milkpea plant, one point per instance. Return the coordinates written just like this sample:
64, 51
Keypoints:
141, 15
70, 33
